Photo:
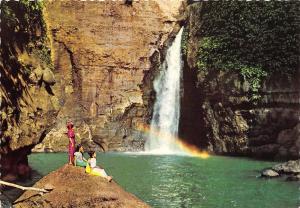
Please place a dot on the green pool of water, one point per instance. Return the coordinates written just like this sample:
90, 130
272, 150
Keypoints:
187, 182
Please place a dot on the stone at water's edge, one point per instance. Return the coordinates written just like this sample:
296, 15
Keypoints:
74, 188
290, 167
294, 178
269, 173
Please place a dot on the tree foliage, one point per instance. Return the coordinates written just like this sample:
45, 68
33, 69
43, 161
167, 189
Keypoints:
22, 30
253, 38
20, 20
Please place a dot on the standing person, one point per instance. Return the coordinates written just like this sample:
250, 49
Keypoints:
71, 136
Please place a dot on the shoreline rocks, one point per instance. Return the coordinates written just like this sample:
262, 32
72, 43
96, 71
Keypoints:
269, 173
72, 187
290, 170
290, 167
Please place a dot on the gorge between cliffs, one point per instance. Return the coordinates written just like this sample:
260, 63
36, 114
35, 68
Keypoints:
219, 81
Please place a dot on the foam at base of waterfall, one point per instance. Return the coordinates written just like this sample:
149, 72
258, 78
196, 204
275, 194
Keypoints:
165, 151
161, 151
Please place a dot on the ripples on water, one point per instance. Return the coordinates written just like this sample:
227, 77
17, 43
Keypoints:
186, 182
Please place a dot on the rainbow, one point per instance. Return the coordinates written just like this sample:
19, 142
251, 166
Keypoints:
184, 146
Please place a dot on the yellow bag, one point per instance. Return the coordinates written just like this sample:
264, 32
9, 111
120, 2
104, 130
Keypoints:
89, 170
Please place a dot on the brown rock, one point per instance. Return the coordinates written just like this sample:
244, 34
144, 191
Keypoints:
48, 77
102, 52
72, 187
57, 140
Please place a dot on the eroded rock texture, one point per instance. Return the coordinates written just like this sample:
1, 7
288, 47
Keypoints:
218, 115
91, 62
102, 55
28, 108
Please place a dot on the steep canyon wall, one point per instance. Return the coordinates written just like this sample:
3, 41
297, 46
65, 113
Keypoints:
219, 115
100, 60
101, 54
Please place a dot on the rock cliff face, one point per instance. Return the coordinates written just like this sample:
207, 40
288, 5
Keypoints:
92, 62
219, 116
102, 55
28, 108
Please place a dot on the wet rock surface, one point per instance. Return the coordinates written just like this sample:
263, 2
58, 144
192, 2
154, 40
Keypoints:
218, 115
290, 170
269, 173
290, 167
72, 187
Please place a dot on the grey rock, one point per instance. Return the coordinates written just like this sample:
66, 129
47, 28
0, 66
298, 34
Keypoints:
269, 173
5, 202
292, 166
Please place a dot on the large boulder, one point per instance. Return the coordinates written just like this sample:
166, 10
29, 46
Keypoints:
72, 187
290, 167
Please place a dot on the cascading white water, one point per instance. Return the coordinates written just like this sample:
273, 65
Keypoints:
166, 112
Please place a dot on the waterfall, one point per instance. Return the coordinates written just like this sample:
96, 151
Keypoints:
166, 112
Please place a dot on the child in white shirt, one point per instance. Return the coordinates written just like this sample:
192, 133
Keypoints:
93, 164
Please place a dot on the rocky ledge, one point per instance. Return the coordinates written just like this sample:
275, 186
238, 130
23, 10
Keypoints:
72, 187
290, 170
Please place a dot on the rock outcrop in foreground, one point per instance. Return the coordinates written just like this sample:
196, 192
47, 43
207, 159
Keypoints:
72, 187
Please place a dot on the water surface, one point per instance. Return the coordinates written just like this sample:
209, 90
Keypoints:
186, 182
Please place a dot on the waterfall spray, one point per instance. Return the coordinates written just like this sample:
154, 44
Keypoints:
166, 112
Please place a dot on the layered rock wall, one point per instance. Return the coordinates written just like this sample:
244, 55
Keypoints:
102, 55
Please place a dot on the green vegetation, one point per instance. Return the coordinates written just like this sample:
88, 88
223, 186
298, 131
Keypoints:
23, 33
22, 18
254, 38
23, 23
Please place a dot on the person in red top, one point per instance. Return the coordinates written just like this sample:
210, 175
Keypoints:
71, 136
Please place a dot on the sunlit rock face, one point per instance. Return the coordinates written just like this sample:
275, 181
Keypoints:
218, 115
91, 62
66, 191
101, 53
27, 106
